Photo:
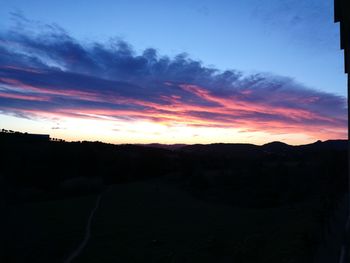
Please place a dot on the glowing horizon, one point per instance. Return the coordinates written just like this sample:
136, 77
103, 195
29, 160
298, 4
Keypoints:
79, 131
213, 118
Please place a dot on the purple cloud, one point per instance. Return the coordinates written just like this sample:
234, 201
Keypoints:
49, 71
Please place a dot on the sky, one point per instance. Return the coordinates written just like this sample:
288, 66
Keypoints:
173, 71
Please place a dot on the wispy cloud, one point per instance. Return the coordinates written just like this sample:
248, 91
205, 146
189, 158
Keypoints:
46, 72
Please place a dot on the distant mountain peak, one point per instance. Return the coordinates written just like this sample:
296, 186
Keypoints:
276, 143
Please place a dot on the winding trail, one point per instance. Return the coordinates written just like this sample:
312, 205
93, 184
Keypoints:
78, 250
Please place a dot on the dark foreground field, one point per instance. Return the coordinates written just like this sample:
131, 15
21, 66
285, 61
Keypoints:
214, 203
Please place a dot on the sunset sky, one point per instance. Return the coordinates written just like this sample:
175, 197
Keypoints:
173, 71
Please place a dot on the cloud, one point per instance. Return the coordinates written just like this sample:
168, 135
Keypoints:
48, 73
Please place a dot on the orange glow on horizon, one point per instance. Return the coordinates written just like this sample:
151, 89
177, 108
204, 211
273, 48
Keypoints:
174, 120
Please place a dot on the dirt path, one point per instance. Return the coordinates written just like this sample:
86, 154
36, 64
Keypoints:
81, 246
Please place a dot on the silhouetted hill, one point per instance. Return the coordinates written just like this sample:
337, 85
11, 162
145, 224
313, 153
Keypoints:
276, 147
165, 146
240, 174
341, 145
224, 149
241, 149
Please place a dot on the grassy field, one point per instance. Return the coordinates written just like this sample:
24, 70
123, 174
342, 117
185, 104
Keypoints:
158, 222
46, 231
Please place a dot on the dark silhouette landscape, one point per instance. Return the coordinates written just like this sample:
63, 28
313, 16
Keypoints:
169, 203
181, 72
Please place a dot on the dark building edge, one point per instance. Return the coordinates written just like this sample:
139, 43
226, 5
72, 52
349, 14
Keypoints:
341, 15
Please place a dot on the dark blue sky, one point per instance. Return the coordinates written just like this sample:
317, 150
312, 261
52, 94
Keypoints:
293, 38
